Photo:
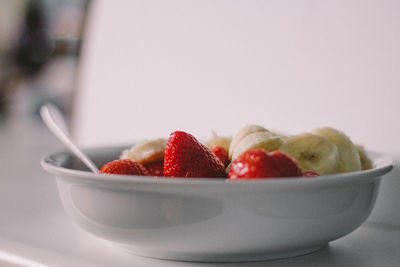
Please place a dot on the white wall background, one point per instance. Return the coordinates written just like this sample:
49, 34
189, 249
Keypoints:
154, 66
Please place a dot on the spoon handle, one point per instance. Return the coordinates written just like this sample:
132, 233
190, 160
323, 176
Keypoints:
53, 119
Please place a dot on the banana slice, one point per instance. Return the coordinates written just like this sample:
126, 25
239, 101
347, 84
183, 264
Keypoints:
243, 132
228, 168
146, 151
313, 153
225, 142
349, 160
266, 140
366, 163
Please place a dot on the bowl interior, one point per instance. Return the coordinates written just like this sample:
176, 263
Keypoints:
99, 156
64, 162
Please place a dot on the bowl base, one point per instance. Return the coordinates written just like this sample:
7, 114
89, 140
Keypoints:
208, 257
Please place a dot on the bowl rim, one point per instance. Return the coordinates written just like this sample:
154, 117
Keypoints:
53, 165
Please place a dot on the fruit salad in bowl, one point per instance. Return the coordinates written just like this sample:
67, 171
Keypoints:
253, 153
257, 195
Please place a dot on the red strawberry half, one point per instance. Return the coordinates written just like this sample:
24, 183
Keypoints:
258, 163
124, 166
155, 168
187, 157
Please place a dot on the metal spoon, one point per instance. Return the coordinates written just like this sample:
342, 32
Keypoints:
55, 121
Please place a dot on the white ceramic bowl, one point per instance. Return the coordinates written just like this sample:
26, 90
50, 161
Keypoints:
214, 219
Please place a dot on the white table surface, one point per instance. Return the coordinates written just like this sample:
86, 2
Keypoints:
34, 230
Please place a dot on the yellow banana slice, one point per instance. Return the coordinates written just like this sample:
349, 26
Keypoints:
349, 160
366, 163
146, 151
312, 152
265, 140
242, 133
216, 140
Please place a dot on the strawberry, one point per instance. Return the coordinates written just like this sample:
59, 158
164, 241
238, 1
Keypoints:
258, 163
124, 166
187, 157
310, 174
155, 168
222, 154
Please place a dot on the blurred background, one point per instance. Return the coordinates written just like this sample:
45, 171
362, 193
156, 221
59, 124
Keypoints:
40, 44
210, 66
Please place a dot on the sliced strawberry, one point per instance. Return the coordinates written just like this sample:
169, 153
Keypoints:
124, 166
155, 168
187, 157
258, 163
222, 154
